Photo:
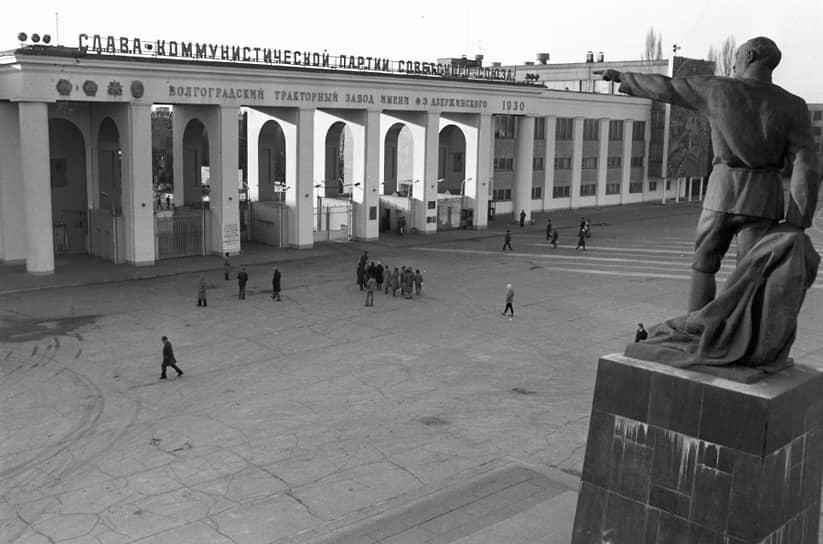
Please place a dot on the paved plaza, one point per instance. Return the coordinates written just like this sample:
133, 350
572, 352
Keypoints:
319, 420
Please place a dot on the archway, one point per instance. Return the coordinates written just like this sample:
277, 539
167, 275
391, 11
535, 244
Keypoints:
109, 174
69, 199
451, 171
195, 162
339, 160
271, 161
398, 166
451, 164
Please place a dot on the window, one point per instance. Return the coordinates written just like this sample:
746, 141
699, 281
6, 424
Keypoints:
816, 130
637, 187
591, 129
818, 115
588, 189
656, 152
564, 130
59, 173
658, 118
504, 126
668, 185
540, 128
537, 164
639, 131
560, 192
457, 161
614, 162
616, 131
537, 193
502, 194
612, 188
589, 163
505, 163
637, 162
562, 163
652, 186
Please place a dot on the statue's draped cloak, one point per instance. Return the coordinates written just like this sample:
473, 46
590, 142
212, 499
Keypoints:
753, 321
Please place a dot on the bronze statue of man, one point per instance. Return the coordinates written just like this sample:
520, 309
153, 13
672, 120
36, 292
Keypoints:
756, 127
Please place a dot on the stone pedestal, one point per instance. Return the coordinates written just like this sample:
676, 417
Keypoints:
676, 456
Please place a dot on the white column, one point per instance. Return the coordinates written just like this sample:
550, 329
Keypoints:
577, 162
483, 174
626, 170
223, 160
12, 216
689, 189
36, 177
700, 194
602, 161
180, 118
548, 165
524, 167
364, 227
299, 199
137, 187
425, 190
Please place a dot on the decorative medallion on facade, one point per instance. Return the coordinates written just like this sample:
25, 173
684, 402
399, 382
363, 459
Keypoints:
64, 87
137, 89
115, 89
90, 87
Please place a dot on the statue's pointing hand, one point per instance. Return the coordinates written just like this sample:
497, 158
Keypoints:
611, 75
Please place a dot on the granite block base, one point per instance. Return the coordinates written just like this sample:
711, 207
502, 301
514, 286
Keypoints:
678, 456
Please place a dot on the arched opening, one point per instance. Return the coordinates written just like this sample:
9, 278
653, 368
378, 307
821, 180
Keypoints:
69, 199
451, 165
109, 175
195, 162
399, 156
339, 160
271, 161
451, 171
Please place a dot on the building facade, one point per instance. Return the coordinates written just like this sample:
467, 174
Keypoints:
273, 147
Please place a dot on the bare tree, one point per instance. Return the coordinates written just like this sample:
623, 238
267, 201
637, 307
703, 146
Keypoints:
724, 57
654, 46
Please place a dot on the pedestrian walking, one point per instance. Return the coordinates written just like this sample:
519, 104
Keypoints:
168, 359
508, 241
168, 202
401, 225
581, 239
201, 292
554, 239
588, 226
418, 282
395, 282
361, 274
549, 229
378, 275
242, 279
509, 299
227, 265
371, 285
522, 218
387, 278
275, 284
408, 282
641, 333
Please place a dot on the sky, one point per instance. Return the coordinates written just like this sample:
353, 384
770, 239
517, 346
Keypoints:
509, 31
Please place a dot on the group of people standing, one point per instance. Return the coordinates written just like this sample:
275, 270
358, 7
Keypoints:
375, 276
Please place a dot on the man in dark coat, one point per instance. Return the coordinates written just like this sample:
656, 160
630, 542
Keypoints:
275, 284
508, 241
522, 218
549, 229
641, 333
242, 279
168, 359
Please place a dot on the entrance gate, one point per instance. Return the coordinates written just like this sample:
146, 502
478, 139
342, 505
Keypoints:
179, 233
332, 219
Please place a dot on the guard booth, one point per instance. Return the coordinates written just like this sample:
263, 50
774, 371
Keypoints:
466, 218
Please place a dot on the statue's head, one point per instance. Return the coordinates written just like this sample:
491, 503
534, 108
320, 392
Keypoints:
757, 54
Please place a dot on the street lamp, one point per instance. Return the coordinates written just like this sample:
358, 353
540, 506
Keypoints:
351, 214
104, 194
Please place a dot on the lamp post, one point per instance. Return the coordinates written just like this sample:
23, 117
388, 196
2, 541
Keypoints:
282, 200
350, 227
113, 223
